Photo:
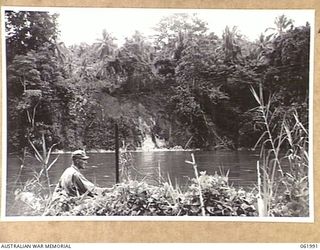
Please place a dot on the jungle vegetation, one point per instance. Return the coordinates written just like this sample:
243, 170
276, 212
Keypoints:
185, 85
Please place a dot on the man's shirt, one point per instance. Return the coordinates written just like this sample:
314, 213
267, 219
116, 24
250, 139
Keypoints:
74, 183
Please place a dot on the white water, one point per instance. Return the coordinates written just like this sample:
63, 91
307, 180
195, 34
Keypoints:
148, 144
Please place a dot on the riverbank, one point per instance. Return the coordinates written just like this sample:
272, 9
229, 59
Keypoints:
139, 150
208, 195
95, 151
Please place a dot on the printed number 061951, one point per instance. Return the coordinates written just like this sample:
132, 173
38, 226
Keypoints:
309, 246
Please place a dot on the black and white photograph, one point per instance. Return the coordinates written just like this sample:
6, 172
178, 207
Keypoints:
157, 114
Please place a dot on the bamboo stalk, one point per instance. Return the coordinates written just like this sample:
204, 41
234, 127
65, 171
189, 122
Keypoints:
261, 207
187, 144
195, 167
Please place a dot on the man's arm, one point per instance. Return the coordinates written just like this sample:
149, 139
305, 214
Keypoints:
82, 185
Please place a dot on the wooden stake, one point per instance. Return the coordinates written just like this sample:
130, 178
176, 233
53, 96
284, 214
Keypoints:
116, 132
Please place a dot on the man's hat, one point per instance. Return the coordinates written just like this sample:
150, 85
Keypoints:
79, 154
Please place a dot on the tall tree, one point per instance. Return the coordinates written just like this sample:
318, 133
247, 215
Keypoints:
28, 30
287, 74
105, 46
135, 60
32, 71
282, 24
173, 34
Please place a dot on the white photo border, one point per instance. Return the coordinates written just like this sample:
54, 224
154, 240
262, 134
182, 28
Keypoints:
3, 217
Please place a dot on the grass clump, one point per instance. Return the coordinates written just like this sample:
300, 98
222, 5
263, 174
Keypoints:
31, 199
284, 161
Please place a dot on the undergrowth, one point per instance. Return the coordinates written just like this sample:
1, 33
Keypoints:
135, 198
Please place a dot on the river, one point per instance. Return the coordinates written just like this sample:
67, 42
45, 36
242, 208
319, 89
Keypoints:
101, 167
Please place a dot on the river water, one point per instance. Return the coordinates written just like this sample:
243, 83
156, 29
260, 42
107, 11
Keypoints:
101, 167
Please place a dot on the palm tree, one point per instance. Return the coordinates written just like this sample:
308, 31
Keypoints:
230, 44
105, 47
263, 48
282, 24
105, 50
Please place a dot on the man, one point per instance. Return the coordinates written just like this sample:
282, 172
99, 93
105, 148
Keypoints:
73, 183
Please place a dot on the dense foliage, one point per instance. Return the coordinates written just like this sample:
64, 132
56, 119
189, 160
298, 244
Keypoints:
187, 86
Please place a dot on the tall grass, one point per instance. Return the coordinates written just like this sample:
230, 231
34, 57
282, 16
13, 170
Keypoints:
283, 181
44, 159
34, 194
126, 164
